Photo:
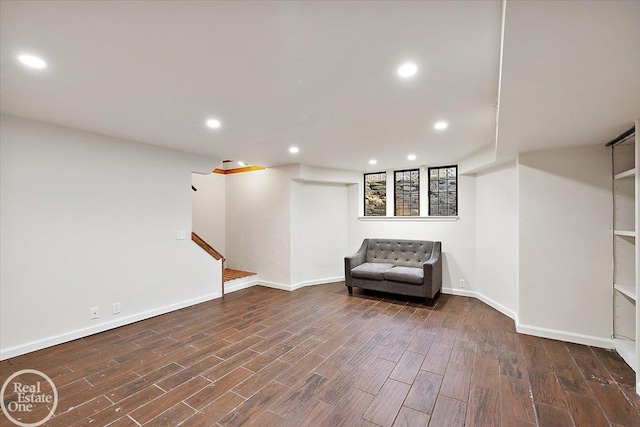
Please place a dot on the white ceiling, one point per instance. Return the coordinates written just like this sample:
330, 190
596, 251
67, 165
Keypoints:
322, 75
571, 74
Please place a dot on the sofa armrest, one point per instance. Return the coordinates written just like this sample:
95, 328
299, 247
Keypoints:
354, 260
432, 269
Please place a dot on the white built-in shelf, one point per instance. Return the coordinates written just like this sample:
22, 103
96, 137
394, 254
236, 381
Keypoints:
627, 350
628, 290
625, 174
629, 233
625, 158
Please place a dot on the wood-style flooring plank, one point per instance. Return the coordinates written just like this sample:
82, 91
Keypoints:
408, 417
313, 416
334, 363
483, 409
456, 383
617, 368
570, 378
592, 369
424, 392
300, 370
386, 405
374, 377
486, 373
548, 416
585, 410
174, 416
407, 367
126, 405
213, 391
216, 410
262, 378
336, 388
515, 397
448, 412
616, 407
299, 395
251, 409
545, 388
77, 415
512, 364
156, 407
437, 359
350, 410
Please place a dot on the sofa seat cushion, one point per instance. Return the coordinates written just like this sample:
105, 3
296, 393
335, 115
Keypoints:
405, 274
371, 270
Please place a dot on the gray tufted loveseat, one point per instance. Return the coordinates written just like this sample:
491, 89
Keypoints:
406, 267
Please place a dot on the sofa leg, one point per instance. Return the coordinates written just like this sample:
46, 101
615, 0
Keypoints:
431, 301
350, 289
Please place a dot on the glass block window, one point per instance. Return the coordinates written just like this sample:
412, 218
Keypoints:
443, 191
375, 194
407, 193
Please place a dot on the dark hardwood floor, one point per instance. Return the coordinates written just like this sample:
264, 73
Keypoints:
317, 357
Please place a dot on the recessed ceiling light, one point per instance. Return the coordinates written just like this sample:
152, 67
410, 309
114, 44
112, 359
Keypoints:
32, 61
373, 161
294, 150
214, 123
408, 69
411, 157
441, 125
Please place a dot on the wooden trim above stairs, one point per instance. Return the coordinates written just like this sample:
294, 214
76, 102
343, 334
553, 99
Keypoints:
238, 170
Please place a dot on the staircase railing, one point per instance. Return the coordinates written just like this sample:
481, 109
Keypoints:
211, 251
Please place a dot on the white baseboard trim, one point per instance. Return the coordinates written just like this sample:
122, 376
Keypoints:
555, 334
242, 283
275, 285
101, 327
459, 292
317, 282
534, 330
299, 285
491, 303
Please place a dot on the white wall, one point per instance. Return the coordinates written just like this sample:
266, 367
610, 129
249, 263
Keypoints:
88, 220
208, 208
458, 237
497, 237
258, 220
274, 215
329, 175
319, 236
565, 245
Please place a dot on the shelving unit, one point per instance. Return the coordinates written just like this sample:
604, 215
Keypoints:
626, 314
626, 174
627, 290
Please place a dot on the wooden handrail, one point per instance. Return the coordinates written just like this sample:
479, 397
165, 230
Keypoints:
204, 245
207, 247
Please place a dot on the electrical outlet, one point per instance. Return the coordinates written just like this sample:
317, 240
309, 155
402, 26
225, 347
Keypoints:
181, 235
116, 308
95, 312
462, 283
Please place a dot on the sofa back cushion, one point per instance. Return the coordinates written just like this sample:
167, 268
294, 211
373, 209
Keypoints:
406, 253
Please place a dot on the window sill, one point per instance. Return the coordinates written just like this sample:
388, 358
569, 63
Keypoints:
410, 218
